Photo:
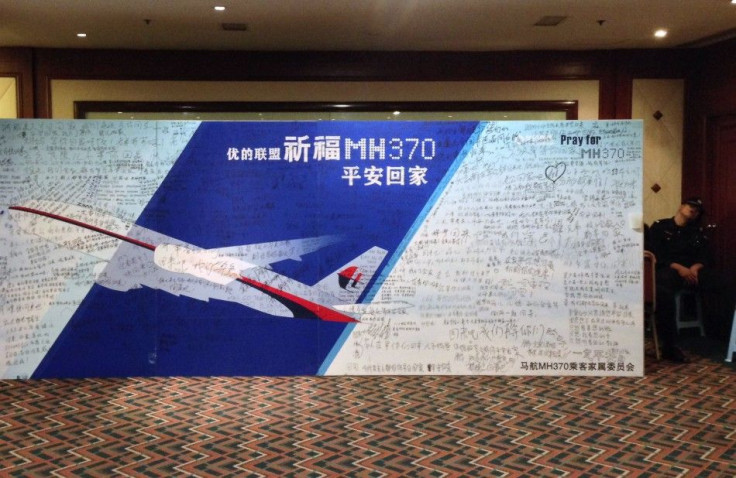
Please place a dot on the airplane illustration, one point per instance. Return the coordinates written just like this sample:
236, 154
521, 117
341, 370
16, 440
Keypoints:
132, 256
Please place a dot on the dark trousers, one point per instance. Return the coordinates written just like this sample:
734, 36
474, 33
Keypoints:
709, 285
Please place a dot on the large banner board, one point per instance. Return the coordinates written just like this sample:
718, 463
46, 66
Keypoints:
139, 248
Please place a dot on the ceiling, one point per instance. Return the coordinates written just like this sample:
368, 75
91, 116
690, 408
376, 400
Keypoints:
380, 25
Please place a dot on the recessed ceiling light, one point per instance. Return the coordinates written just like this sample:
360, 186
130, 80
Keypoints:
661, 33
82, 35
219, 8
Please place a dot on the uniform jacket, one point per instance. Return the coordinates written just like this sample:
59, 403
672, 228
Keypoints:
683, 245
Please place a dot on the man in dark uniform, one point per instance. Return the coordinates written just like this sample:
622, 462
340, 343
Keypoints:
683, 257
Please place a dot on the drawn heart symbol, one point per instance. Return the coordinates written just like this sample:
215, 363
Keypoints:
555, 172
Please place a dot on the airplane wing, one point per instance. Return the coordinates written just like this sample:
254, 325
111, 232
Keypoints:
133, 267
267, 253
99, 234
135, 256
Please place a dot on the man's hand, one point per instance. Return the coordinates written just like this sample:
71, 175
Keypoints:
688, 274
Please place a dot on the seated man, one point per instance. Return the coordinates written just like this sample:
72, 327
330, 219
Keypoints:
683, 255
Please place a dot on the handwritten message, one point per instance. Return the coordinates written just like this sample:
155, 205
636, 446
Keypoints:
527, 263
519, 254
113, 166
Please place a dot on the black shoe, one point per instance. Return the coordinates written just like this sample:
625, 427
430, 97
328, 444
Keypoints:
674, 354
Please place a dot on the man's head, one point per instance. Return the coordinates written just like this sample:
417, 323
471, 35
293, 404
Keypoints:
691, 209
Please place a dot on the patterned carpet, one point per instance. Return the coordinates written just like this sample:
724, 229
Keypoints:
679, 420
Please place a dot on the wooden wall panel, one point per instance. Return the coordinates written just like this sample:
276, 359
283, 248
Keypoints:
17, 62
604, 66
614, 69
710, 93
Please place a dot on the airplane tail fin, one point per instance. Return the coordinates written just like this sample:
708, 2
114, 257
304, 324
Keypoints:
349, 281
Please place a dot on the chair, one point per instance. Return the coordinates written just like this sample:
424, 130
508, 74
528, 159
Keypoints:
650, 297
682, 319
732, 340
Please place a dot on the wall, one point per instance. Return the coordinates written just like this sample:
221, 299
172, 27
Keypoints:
659, 103
304, 68
17, 64
8, 98
65, 92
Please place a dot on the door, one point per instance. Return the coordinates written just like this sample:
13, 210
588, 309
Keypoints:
720, 188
